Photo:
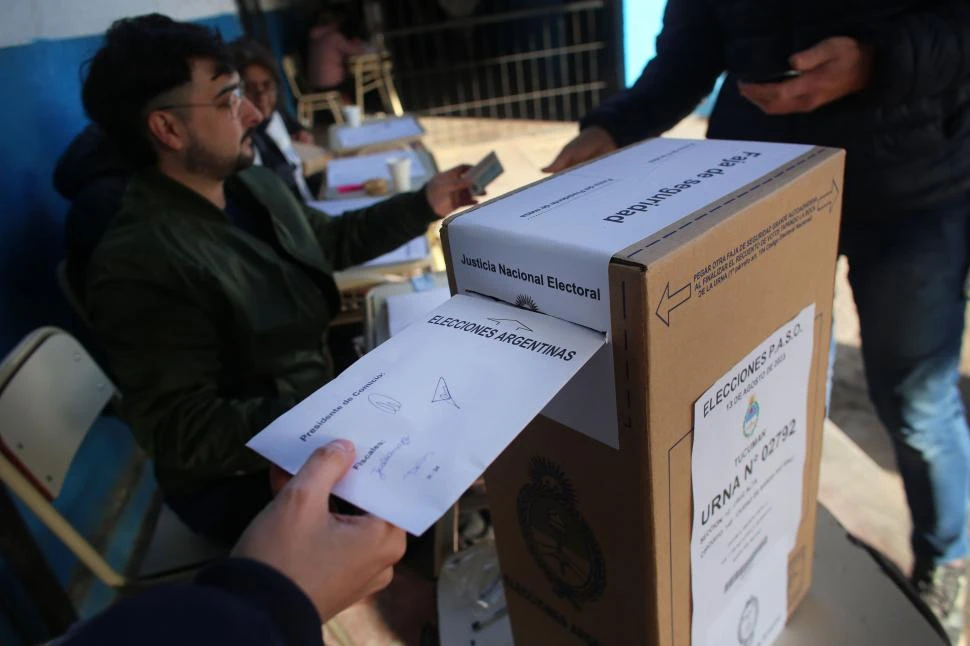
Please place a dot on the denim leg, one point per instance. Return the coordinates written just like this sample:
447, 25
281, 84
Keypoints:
907, 274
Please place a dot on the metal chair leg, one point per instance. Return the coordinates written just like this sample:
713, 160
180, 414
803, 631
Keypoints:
30, 567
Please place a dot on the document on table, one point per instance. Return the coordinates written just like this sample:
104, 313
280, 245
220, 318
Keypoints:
415, 249
380, 131
405, 309
432, 407
347, 171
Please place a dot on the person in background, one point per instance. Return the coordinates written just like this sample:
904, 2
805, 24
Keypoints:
328, 50
212, 291
888, 81
296, 566
273, 137
92, 176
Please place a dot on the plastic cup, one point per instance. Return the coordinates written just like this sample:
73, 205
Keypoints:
352, 115
400, 169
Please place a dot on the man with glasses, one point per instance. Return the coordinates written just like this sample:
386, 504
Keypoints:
212, 290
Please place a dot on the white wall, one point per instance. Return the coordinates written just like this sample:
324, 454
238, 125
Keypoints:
24, 21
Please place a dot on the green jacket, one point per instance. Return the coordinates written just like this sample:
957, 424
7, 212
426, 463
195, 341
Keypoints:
209, 332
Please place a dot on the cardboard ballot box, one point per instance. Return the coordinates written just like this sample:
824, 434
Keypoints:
667, 495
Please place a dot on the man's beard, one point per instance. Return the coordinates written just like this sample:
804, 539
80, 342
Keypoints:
204, 162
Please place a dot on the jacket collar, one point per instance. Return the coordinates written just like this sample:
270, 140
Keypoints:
152, 194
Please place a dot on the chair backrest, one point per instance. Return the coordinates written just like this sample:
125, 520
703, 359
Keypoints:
292, 74
51, 392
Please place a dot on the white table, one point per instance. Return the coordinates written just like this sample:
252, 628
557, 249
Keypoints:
851, 603
374, 134
356, 170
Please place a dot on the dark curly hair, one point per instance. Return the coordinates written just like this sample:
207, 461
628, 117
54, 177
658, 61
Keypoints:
246, 52
142, 58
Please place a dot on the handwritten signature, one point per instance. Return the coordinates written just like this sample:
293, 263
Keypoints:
386, 458
417, 466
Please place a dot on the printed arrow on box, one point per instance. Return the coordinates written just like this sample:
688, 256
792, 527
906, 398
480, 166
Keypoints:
671, 301
835, 189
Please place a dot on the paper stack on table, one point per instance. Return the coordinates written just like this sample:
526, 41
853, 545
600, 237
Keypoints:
373, 133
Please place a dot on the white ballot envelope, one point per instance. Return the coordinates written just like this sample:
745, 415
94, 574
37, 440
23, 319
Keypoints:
432, 407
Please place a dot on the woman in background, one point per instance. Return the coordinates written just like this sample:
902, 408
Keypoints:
273, 137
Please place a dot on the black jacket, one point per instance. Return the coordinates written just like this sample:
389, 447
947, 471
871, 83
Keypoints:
236, 601
93, 177
907, 135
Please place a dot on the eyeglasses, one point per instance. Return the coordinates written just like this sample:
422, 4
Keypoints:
232, 104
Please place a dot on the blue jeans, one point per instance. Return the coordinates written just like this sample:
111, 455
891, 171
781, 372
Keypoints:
907, 272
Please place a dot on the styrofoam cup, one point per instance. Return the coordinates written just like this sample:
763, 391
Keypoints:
352, 115
400, 169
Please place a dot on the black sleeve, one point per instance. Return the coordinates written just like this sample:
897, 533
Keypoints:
688, 61
922, 53
236, 602
360, 235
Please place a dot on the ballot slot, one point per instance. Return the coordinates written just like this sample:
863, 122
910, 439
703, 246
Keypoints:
547, 248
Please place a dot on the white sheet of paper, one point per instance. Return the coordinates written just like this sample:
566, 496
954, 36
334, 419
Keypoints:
345, 171
405, 309
380, 131
758, 609
747, 467
415, 249
430, 409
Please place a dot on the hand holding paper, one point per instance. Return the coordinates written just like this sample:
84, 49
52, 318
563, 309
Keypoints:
432, 407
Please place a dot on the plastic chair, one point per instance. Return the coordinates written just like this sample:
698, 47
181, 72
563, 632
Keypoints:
308, 104
51, 393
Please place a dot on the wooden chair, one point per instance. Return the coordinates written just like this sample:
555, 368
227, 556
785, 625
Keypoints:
51, 393
375, 72
308, 104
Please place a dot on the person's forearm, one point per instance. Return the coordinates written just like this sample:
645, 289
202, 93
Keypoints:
235, 601
688, 62
357, 236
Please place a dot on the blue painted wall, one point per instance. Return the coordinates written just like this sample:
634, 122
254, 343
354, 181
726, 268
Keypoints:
41, 53
642, 20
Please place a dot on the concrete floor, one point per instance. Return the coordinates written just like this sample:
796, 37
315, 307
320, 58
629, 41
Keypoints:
859, 482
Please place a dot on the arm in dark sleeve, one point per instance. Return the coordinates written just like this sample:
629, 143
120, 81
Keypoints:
164, 350
688, 61
358, 236
922, 53
236, 601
